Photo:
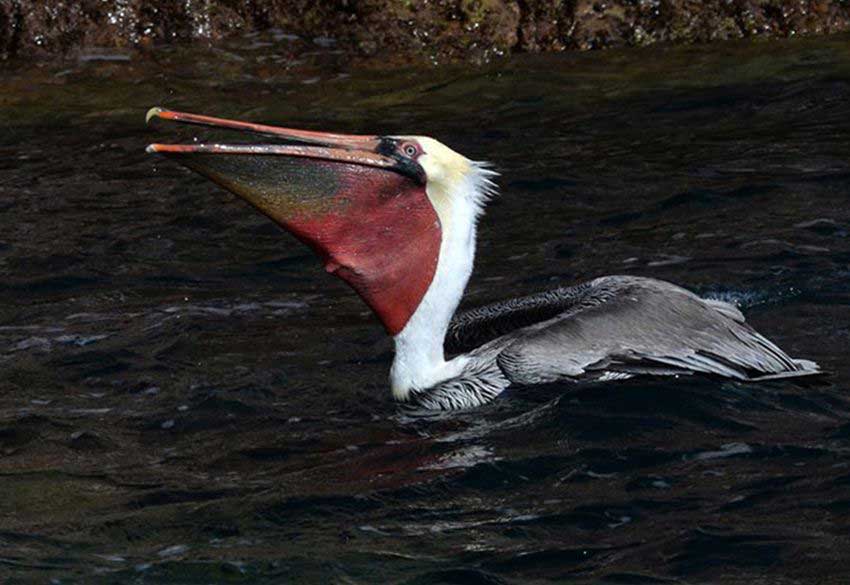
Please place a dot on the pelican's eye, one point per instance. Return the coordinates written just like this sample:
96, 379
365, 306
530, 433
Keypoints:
411, 149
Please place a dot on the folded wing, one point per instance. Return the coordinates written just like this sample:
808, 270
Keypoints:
621, 325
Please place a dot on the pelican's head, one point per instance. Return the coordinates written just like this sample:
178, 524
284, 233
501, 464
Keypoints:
378, 210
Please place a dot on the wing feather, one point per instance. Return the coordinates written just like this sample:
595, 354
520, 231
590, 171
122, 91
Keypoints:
634, 325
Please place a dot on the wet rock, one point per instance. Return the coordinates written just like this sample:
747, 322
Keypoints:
438, 30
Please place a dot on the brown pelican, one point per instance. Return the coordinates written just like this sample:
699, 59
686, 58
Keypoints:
395, 217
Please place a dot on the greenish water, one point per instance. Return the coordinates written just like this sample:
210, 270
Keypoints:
186, 397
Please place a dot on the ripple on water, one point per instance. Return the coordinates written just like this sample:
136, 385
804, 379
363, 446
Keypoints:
185, 397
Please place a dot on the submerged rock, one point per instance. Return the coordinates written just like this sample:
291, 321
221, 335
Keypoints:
436, 29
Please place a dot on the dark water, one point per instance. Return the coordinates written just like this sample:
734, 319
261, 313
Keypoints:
185, 396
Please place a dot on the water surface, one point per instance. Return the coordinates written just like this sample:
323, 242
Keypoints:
186, 397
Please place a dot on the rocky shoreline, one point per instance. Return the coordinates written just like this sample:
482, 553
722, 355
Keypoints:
438, 30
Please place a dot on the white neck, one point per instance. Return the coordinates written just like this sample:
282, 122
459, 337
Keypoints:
419, 357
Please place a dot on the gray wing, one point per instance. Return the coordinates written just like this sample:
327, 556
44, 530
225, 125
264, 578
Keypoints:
621, 325
474, 327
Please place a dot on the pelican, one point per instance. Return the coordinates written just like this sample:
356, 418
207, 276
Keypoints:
395, 217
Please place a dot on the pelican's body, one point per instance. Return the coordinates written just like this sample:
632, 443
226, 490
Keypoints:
613, 327
396, 218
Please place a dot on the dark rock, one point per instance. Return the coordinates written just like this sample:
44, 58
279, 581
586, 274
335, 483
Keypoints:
440, 29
